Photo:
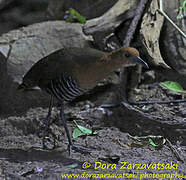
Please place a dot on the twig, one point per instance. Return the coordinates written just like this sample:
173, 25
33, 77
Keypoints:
144, 103
158, 102
167, 17
161, 5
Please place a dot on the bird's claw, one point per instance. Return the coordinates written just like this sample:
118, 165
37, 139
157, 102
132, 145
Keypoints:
48, 141
48, 137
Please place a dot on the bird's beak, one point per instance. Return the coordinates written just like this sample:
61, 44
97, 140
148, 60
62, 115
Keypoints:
142, 62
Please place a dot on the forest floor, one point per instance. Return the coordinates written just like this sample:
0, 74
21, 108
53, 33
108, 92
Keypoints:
22, 156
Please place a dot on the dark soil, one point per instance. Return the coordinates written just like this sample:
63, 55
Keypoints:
22, 156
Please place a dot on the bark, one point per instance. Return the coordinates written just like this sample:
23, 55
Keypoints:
134, 23
150, 34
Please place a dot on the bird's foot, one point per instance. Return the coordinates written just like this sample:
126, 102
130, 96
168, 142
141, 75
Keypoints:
49, 141
43, 129
48, 137
80, 149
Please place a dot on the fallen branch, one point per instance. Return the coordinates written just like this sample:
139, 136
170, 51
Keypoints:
158, 102
111, 19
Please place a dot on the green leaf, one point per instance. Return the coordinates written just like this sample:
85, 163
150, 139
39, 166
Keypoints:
180, 14
184, 5
75, 16
152, 143
173, 86
182, 8
71, 166
79, 17
84, 130
77, 132
81, 131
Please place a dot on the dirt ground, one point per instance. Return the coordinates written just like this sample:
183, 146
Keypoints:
22, 156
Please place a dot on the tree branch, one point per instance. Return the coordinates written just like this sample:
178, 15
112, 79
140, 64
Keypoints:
134, 23
126, 42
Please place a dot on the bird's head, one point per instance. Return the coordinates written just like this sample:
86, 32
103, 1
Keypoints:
124, 57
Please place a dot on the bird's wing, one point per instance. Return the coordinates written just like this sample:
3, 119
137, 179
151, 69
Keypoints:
66, 62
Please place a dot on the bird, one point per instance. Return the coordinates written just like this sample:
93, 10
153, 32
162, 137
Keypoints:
70, 72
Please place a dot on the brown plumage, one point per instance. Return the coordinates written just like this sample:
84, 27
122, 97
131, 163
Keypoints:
68, 73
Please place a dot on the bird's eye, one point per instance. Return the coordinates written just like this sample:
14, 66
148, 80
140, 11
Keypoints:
127, 55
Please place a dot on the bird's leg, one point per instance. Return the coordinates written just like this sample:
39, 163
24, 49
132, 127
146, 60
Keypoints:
45, 130
71, 146
46, 121
63, 120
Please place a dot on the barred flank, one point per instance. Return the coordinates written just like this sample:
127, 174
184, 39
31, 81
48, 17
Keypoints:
64, 88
